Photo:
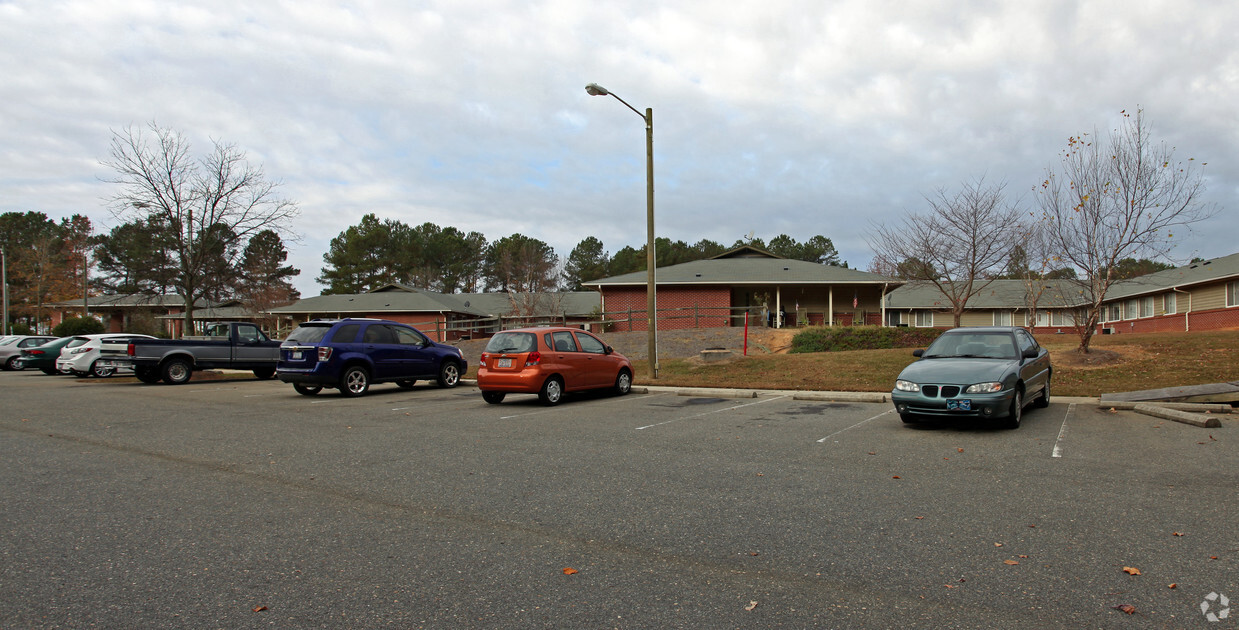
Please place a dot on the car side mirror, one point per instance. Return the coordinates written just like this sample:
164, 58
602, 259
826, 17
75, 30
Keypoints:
1030, 353
607, 349
918, 352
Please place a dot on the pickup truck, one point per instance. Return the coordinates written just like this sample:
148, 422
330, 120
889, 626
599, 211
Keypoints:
226, 345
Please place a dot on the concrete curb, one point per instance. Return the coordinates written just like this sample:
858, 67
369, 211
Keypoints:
717, 393
1194, 419
1194, 407
866, 397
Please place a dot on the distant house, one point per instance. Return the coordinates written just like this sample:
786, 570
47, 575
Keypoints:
721, 291
450, 316
1200, 296
119, 312
1001, 303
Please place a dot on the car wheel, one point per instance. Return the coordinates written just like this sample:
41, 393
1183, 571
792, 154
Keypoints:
355, 381
552, 391
176, 371
11, 364
407, 384
449, 374
1017, 410
147, 375
265, 373
493, 398
623, 383
1043, 400
307, 390
100, 371
50, 371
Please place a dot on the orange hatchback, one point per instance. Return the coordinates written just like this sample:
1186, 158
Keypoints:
550, 362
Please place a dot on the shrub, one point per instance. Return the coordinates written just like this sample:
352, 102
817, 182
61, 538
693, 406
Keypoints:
826, 339
20, 329
78, 326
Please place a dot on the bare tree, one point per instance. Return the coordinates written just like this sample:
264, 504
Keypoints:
209, 204
1120, 200
959, 246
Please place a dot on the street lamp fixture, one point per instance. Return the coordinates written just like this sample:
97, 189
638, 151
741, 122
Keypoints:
651, 291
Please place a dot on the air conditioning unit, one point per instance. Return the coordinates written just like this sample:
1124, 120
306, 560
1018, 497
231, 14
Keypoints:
1107, 331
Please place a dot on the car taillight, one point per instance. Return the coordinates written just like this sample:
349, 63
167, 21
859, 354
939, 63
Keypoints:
130, 350
324, 353
485, 356
533, 359
35, 351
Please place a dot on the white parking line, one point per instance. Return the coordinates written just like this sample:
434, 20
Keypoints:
888, 411
1058, 444
706, 413
613, 399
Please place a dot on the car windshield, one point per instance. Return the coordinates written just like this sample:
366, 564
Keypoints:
512, 342
972, 345
308, 333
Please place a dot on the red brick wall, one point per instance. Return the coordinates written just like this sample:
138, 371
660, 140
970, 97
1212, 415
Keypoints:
678, 307
1198, 321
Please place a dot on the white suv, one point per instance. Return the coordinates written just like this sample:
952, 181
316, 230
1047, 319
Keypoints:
80, 355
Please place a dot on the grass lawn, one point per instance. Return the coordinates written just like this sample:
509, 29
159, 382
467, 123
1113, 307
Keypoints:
1116, 363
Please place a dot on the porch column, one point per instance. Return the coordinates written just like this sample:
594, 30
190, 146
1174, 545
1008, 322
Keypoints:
830, 308
778, 307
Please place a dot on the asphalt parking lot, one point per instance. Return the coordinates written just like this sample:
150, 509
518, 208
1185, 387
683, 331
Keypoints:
242, 504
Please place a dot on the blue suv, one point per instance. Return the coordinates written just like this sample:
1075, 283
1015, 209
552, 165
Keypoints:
352, 354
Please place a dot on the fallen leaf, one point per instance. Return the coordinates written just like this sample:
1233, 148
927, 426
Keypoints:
1127, 608
872, 453
1172, 585
949, 585
259, 608
1177, 534
959, 450
997, 544
751, 606
1131, 571
1023, 556
920, 518
570, 571
1212, 439
1213, 557
895, 477
1011, 562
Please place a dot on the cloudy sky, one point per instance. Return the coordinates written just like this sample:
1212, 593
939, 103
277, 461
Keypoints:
779, 116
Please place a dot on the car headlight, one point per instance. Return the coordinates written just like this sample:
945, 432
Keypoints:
906, 386
983, 388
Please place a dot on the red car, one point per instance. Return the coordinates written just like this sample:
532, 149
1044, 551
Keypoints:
550, 362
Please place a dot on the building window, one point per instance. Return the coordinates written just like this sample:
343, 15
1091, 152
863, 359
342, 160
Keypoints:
1129, 309
1112, 312
1062, 318
1232, 293
924, 319
1146, 306
1002, 318
1170, 304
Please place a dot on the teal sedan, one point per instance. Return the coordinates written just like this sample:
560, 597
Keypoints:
989, 373
43, 357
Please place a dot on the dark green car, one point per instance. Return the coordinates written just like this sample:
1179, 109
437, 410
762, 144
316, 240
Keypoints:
44, 357
988, 373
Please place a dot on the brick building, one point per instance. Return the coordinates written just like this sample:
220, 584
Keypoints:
721, 291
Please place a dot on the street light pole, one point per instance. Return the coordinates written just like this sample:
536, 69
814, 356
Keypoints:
4, 282
651, 291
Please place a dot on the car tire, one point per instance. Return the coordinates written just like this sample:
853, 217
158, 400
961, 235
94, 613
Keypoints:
264, 374
449, 374
623, 383
493, 398
355, 381
11, 364
176, 371
1043, 400
552, 391
907, 418
1017, 410
407, 384
100, 371
79, 374
147, 375
307, 390
50, 371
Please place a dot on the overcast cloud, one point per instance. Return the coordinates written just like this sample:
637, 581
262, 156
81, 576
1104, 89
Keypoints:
770, 117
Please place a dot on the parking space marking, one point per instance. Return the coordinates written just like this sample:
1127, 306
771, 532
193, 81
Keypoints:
1058, 443
549, 409
706, 413
888, 411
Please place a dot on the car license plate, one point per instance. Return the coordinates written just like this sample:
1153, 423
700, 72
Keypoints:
294, 355
962, 405
500, 363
